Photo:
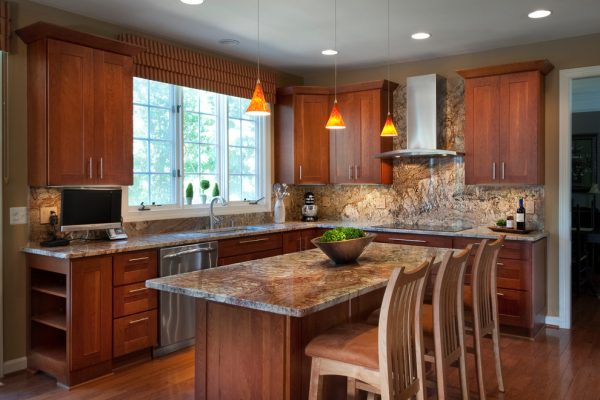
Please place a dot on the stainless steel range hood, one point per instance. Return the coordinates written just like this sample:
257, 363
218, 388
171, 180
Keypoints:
424, 118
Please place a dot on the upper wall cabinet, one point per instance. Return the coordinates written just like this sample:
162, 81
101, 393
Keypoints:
307, 153
301, 140
79, 107
504, 123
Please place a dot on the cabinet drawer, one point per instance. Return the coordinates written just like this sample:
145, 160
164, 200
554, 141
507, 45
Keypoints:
513, 308
249, 257
414, 240
131, 299
511, 249
249, 244
134, 267
134, 332
510, 274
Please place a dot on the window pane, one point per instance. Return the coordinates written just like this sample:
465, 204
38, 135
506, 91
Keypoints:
161, 189
208, 159
159, 122
159, 94
140, 155
191, 100
160, 157
248, 133
249, 189
234, 132
208, 102
208, 129
139, 192
235, 188
244, 103
191, 158
235, 160
140, 121
140, 90
190, 127
248, 156
233, 107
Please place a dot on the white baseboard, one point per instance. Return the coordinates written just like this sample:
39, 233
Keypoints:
15, 365
552, 320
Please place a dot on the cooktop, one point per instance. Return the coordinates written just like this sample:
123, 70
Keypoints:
457, 227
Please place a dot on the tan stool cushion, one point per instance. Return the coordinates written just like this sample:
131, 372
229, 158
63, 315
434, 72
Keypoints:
427, 319
354, 344
468, 296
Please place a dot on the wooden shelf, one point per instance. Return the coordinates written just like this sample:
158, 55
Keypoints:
56, 353
54, 319
53, 290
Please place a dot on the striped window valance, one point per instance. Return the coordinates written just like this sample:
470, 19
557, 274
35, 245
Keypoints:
172, 64
4, 26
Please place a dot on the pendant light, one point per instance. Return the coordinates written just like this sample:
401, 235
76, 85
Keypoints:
388, 129
258, 104
335, 120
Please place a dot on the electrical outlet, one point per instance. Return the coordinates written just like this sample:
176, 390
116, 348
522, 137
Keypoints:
530, 206
45, 214
18, 215
379, 202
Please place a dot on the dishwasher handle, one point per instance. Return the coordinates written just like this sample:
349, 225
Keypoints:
193, 251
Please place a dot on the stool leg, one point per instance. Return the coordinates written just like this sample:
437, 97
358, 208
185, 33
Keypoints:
496, 341
315, 391
479, 364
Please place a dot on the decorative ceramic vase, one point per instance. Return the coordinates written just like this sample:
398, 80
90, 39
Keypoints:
203, 198
279, 211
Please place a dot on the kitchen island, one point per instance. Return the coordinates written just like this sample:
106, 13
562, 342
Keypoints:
255, 318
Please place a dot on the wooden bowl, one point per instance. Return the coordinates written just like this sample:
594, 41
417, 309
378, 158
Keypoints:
344, 251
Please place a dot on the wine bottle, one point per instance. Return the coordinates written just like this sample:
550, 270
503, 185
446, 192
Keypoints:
521, 216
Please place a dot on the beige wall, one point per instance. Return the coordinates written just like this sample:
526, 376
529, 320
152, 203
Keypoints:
16, 192
564, 54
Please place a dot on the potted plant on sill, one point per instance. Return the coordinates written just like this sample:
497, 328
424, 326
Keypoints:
189, 194
204, 184
216, 191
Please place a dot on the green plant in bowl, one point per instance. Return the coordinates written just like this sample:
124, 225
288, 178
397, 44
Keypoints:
343, 245
501, 222
342, 233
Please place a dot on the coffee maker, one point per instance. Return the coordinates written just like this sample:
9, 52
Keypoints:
309, 209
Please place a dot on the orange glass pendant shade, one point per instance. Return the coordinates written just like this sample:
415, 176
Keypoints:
335, 120
389, 129
258, 105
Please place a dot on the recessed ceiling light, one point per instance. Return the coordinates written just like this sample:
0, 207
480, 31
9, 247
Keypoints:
539, 14
229, 42
192, 2
329, 52
420, 35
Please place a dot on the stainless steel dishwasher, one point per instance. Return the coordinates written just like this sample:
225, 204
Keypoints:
178, 312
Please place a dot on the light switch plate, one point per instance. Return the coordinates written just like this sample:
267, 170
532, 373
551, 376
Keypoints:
530, 206
18, 215
45, 214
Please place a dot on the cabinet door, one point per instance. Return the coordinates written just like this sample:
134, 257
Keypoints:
113, 121
520, 104
292, 242
311, 139
90, 316
344, 144
368, 168
482, 130
70, 114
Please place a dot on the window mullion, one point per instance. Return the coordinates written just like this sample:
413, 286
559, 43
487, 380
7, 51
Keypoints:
223, 147
178, 146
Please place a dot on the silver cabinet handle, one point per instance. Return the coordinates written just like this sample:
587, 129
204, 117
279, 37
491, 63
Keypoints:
90, 167
193, 251
300, 172
500, 264
494, 171
408, 240
253, 240
101, 168
356, 172
350, 172
138, 259
500, 294
300, 244
137, 321
502, 169
138, 290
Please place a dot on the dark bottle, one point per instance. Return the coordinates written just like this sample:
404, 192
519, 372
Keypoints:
521, 216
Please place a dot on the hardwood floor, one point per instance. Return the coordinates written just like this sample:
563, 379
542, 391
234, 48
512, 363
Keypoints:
559, 364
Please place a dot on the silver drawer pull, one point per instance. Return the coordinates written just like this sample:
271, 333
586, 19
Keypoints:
500, 264
253, 240
137, 321
500, 294
193, 251
90, 167
138, 290
138, 259
408, 240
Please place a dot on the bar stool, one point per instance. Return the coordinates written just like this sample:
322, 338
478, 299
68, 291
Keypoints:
389, 357
481, 306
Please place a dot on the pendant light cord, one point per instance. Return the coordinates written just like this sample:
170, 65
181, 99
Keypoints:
336, 49
258, 38
388, 56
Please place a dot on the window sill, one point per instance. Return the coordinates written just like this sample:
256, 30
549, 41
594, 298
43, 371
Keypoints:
133, 215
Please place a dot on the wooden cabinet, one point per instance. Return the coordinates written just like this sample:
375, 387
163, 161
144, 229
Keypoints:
301, 140
504, 123
363, 107
414, 239
249, 248
79, 107
294, 241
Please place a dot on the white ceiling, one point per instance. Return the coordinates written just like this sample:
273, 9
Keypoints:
293, 33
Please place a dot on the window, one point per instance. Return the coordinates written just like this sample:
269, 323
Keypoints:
183, 136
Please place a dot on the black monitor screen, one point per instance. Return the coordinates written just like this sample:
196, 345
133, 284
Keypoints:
95, 207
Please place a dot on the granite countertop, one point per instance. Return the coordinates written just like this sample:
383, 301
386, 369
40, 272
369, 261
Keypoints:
297, 284
81, 249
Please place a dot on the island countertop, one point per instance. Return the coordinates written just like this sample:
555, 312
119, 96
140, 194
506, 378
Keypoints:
297, 284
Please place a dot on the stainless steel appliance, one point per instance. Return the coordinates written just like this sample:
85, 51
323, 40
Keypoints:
178, 312
309, 209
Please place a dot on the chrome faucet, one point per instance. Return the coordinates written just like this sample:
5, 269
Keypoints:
214, 220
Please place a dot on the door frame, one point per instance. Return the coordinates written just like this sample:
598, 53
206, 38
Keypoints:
566, 77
